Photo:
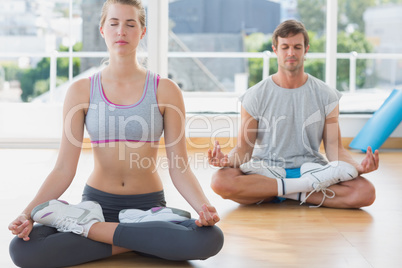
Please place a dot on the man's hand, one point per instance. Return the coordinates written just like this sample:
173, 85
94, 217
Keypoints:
370, 162
217, 158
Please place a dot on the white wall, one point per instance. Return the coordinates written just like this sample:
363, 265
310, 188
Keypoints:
40, 125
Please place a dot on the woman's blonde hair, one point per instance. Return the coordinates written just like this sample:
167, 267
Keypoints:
135, 3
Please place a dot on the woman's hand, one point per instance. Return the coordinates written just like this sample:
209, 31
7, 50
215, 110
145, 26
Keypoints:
216, 157
208, 216
21, 226
370, 162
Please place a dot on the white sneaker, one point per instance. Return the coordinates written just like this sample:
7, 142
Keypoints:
324, 176
330, 174
261, 167
154, 214
68, 218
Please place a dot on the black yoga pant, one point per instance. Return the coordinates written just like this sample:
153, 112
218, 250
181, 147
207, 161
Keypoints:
183, 241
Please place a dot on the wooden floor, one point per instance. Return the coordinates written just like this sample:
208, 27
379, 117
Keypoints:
269, 235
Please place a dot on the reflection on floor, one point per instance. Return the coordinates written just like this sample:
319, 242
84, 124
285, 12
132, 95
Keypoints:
268, 235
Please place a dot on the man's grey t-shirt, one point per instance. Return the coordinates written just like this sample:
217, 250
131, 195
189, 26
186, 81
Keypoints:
290, 121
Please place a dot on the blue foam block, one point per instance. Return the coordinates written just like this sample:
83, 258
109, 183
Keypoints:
381, 124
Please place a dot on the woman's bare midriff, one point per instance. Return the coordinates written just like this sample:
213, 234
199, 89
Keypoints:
125, 168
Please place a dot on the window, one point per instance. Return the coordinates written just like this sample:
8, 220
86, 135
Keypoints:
215, 48
207, 43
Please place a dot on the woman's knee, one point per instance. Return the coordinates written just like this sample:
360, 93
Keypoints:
200, 243
209, 243
31, 253
21, 253
217, 241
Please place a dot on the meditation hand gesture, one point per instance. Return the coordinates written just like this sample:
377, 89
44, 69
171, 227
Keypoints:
216, 157
21, 226
208, 216
370, 162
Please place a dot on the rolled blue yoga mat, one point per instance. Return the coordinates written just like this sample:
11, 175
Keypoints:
380, 126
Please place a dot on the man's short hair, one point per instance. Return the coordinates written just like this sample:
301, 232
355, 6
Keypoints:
289, 28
